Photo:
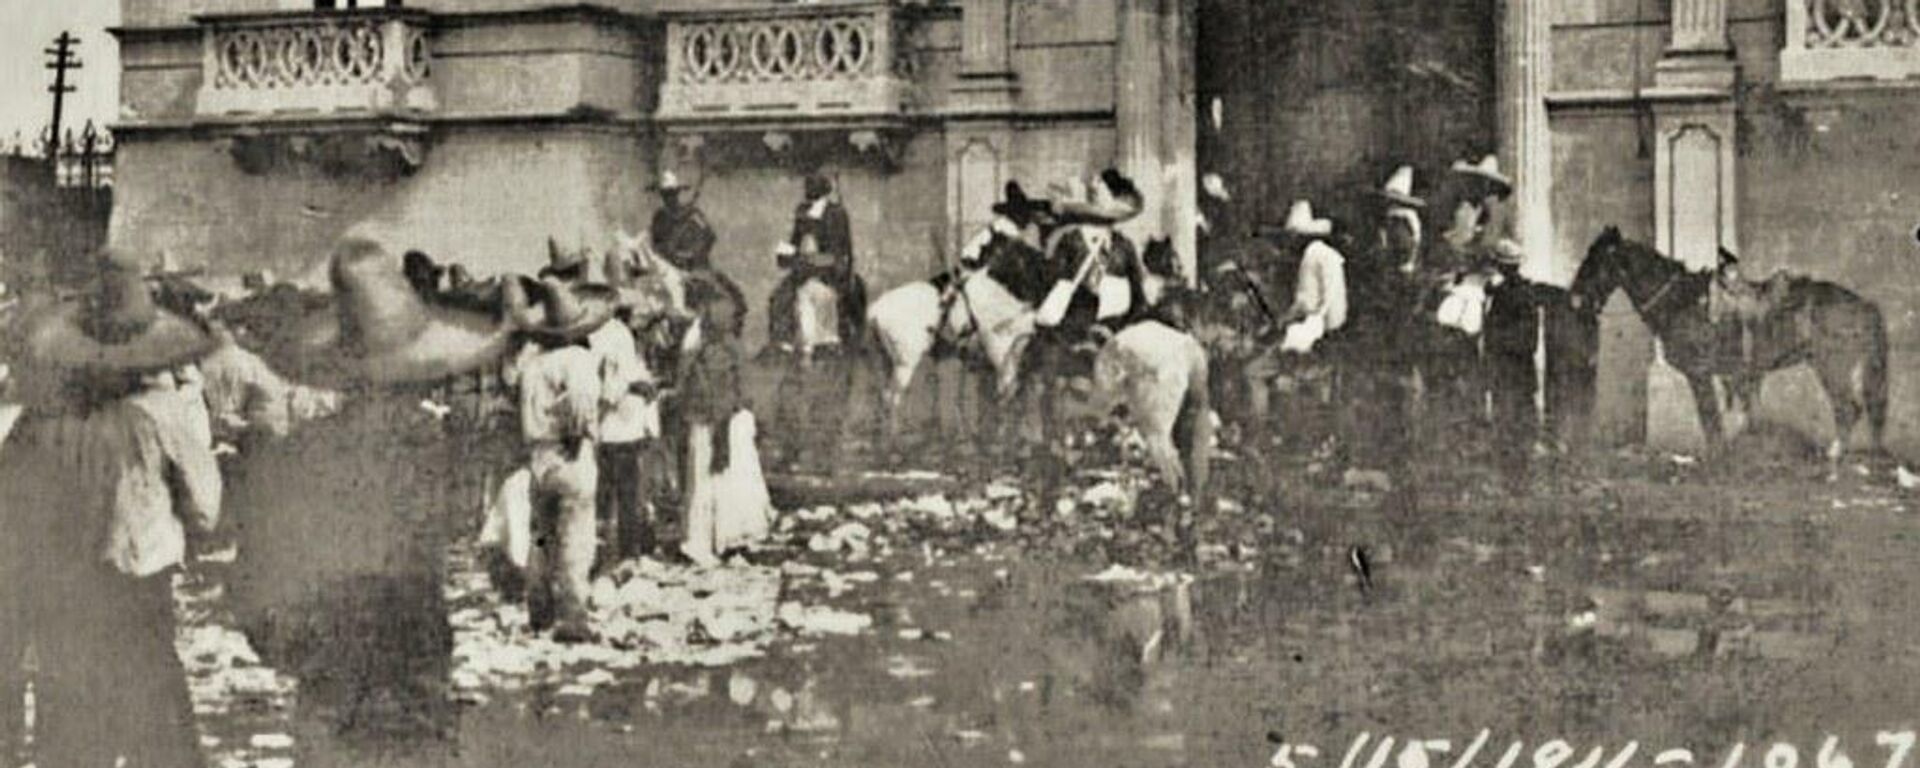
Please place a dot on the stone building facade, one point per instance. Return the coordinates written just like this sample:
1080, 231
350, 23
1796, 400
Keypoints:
254, 132
1783, 130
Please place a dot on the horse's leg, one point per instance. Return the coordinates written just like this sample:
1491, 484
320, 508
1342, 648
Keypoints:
1707, 402
1841, 378
1193, 431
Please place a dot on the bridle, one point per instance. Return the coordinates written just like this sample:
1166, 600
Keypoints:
1651, 306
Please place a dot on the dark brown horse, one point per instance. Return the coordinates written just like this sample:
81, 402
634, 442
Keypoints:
1842, 336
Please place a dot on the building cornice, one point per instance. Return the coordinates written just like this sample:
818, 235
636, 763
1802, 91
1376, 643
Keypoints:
398, 123
569, 12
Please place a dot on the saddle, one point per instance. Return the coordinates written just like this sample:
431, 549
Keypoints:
1748, 306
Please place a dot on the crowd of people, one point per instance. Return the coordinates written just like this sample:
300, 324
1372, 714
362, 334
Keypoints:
321, 422
323, 425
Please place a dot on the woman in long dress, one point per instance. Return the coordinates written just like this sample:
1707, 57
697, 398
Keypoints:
727, 505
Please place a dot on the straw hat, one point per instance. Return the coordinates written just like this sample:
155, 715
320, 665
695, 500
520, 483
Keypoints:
117, 327
562, 260
571, 312
1399, 189
1301, 221
1110, 199
1486, 171
1017, 206
379, 330
669, 182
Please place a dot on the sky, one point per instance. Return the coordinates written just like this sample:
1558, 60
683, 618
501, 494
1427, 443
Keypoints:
27, 28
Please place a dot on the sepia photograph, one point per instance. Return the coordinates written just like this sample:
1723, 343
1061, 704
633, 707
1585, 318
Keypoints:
956, 383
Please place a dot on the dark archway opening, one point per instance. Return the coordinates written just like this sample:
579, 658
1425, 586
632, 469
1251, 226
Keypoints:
1322, 100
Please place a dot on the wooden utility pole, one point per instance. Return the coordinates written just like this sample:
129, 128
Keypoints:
65, 59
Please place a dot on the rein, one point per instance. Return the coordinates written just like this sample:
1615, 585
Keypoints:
1661, 293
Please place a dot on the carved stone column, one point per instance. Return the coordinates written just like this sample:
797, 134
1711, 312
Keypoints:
1180, 133
1137, 81
1700, 26
1696, 181
1153, 119
1526, 74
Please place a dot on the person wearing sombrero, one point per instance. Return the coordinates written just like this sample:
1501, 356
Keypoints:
1013, 215
630, 424
1096, 270
107, 491
1479, 231
1482, 237
680, 232
1319, 307
345, 521
822, 243
566, 391
1385, 302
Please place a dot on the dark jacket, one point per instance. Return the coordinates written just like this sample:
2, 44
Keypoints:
832, 233
683, 236
1513, 321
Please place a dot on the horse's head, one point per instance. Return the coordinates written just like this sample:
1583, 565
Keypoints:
1655, 283
1600, 272
643, 275
1160, 258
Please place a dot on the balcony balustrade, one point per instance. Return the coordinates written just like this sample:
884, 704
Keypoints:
322, 64
1851, 39
793, 63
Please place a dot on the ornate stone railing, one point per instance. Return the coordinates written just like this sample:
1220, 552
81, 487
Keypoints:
819, 61
324, 64
1851, 39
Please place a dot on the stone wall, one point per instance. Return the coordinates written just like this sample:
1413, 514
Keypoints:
487, 197
542, 128
1826, 175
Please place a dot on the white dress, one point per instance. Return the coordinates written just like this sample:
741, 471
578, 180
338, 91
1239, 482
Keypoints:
730, 510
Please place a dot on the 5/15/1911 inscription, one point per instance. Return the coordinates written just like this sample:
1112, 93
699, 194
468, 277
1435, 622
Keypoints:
1558, 753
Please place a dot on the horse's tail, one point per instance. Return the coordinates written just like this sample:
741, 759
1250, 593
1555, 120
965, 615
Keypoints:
1873, 385
1193, 429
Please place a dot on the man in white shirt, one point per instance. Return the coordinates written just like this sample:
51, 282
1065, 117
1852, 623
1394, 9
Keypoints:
565, 391
627, 430
1319, 308
629, 423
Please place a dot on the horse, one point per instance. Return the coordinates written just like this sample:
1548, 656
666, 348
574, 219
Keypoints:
811, 397
917, 321
1160, 373
1842, 336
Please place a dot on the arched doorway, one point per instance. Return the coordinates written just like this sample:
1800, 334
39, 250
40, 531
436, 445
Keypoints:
1321, 100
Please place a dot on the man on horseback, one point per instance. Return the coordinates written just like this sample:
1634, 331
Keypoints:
681, 233
1319, 307
1012, 216
822, 243
1083, 250
1385, 301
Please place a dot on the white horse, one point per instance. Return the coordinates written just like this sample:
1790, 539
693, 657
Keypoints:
1159, 373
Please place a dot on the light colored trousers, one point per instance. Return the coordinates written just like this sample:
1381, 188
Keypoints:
566, 538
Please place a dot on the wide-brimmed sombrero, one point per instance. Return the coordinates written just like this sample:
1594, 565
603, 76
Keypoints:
117, 326
1302, 221
1018, 206
378, 330
669, 182
1110, 198
567, 313
1399, 189
1486, 174
565, 262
